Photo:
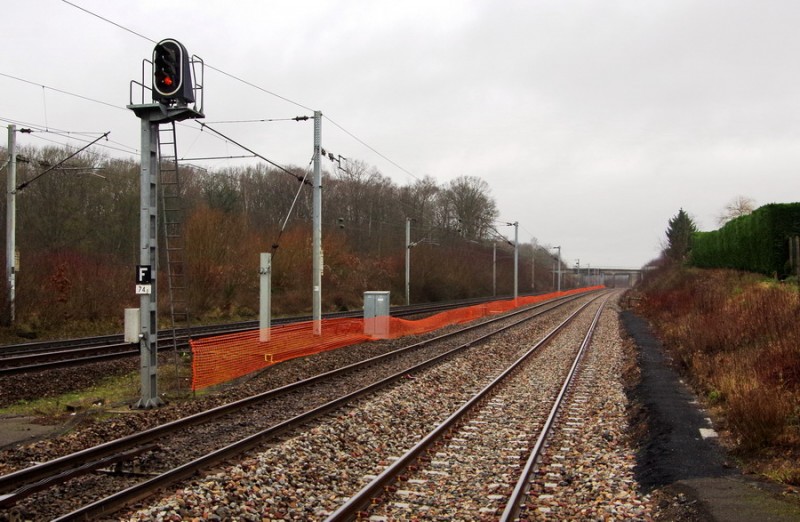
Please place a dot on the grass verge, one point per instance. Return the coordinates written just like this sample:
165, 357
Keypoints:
110, 392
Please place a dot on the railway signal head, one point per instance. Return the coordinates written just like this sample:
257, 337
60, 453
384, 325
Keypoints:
172, 77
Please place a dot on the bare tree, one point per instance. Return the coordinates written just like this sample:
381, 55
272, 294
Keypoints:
737, 207
420, 200
468, 207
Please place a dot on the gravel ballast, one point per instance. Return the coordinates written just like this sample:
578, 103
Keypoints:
307, 476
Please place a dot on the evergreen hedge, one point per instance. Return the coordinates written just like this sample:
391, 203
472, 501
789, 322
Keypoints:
756, 243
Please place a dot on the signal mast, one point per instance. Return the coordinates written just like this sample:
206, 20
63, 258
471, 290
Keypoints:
172, 90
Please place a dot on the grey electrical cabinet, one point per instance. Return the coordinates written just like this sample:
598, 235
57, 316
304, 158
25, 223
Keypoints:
376, 314
133, 325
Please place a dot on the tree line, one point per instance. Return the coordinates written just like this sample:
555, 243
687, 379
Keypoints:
763, 240
77, 237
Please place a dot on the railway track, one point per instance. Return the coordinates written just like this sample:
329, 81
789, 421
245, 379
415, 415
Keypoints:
497, 426
203, 440
32, 357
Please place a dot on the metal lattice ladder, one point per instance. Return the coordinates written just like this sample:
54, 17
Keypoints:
172, 218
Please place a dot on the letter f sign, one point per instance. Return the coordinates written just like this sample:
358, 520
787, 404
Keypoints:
143, 275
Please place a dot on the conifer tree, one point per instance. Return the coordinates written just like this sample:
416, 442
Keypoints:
679, 236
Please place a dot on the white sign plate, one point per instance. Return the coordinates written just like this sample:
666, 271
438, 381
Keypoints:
144, 289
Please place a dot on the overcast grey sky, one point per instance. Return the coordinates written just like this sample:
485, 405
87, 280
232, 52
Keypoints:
593, 122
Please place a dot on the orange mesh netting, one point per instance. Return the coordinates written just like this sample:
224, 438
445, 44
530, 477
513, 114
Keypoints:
222, 358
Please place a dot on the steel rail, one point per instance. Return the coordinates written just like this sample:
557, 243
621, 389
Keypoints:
352, 509
514, 504
116, 501
40, 360
18, 361
14, 480
29, 489
82, 342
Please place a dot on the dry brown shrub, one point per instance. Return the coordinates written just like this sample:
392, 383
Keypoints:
737, 337
757, 413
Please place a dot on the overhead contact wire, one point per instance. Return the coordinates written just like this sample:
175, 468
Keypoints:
254, 153
21, 186
262, 89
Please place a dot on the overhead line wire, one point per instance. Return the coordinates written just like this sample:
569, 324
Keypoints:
264, 120
251, 151
233, 76
61, 91
217, 157
262, 89
37, 129
277, 242
230, 75
528, 231
109, 21
46, 128
34, 135
65, 134
87, 98
42, 128
21, 186
501, 235
362, 142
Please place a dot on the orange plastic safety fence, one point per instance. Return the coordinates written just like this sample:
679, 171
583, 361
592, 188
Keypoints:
222, 358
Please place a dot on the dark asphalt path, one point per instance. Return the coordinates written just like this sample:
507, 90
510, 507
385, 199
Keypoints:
676, 456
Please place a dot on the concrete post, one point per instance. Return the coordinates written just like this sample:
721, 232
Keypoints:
316, 239
265, 300
148, 256
408, 261
516, 259
11, 220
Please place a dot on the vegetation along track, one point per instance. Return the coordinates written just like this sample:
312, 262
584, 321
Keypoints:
250, 422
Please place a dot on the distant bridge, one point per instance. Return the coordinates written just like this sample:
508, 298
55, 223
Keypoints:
611, 276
